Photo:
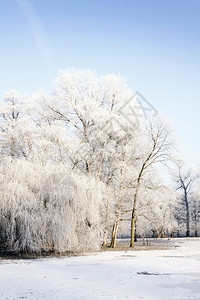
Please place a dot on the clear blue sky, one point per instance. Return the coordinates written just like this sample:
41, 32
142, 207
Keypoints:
155, 44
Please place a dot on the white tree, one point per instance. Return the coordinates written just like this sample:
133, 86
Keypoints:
184, 179
157, 150
46, 210
15, 126
195, 212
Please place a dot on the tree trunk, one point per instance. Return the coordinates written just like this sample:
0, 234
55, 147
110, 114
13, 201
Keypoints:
135, 234
188, 226
116, 224
114, 234
188, 230
135, 202
187, 216
105, 238
133, 218
132, 228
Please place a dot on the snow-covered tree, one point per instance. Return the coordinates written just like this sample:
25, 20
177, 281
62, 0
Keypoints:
15, 126
43, 209
156, 151
195, 212
184, 179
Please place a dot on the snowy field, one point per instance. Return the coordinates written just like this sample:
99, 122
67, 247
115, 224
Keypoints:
154, 274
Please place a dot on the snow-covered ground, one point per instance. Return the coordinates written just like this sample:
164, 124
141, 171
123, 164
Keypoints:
156, 275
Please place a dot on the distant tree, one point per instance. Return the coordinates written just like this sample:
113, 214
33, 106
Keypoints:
184, 179
195, 212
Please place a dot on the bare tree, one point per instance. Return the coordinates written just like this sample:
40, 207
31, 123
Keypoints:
158, 137
184, 180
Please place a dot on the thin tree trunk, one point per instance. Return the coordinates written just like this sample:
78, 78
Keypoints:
135, 233
187, 216
105, 238
114, 234
133, 214
116, 224
132, 229
135, 201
